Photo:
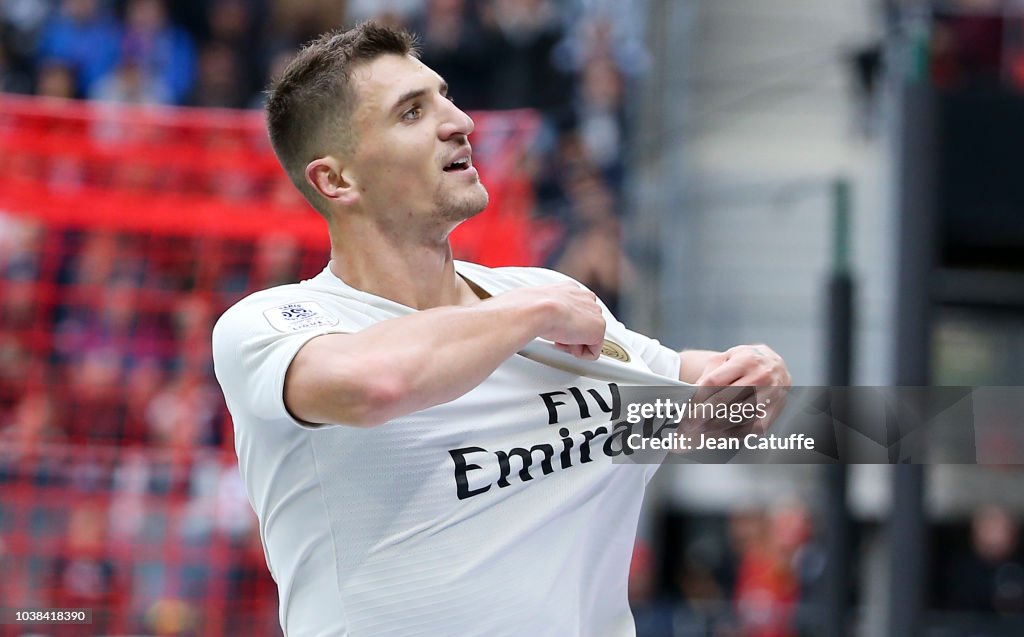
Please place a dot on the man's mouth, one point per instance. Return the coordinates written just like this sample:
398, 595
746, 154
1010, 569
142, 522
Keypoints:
458, 164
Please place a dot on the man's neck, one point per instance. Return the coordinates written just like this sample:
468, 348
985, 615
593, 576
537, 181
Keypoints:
420, 275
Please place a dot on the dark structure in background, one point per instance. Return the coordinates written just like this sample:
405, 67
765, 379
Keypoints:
960, 206
979, 187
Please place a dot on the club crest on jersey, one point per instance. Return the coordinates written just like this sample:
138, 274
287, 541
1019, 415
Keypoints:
614, 351
294, 317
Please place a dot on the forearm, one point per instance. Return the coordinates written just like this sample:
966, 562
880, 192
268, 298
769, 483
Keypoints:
411, 363
441, 354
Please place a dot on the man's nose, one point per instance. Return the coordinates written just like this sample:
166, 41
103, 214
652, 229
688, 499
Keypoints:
456, 122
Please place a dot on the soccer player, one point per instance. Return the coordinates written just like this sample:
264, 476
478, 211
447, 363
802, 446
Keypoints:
427, 443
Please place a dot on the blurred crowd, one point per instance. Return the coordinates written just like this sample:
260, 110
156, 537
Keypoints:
104, 337
755, 573
760, 572
117, 489
570, 60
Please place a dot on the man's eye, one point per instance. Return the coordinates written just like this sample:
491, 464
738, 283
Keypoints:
412, 113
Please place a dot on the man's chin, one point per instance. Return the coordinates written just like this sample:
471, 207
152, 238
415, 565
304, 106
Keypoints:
468, 207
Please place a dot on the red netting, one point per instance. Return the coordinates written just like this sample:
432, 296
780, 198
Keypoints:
124, 233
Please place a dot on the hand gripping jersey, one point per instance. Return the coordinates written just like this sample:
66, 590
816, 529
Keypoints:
498, 513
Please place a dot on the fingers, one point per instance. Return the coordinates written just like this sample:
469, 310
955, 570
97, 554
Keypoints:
585, 352
753, 365
756, 368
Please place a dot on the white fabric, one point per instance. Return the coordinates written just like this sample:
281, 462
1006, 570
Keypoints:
364, 529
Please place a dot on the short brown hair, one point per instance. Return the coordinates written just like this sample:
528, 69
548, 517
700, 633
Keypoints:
309, 107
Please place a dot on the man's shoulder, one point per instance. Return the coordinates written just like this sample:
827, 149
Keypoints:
259, 301
286, 308
512, 276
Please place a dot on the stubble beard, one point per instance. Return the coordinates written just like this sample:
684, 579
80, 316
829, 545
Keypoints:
464, 204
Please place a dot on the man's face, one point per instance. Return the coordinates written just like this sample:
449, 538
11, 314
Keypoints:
412, 159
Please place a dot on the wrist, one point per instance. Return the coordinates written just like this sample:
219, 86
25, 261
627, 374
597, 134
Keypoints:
692, 363
542, 315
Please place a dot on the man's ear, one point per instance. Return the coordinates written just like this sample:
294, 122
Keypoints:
331, 180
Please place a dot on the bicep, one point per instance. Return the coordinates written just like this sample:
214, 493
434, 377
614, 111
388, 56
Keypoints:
314, 392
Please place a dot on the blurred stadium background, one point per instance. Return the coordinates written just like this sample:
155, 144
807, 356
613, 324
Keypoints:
720, 171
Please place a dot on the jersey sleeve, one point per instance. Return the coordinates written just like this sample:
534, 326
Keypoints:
661, 360
253, 346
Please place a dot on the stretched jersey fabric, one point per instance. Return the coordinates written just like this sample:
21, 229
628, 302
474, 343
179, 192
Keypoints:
498, 513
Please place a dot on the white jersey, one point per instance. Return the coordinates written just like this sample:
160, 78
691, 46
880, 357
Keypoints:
498, 513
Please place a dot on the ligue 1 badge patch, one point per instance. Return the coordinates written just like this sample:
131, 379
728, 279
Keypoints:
614, 351
299, 316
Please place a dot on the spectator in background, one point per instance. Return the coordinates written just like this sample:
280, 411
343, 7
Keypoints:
276, 263
20, 24
56, 78
160, 52
705, 577
1014, 50
144, 381
610, 32
34, 420
193, 322
24, 316
967, 45
95, 408
129, 83
298, 21
21, 247
277, 62
592, 253
84, 36
232, 26
602, 118
989, 577
792, 534
652, 617
83, 574
219, 83
230, 22
766, 590
455, 45
103, 257
112, 321
525, 73
20, 307
20, 369
185, 414
12, 78
252, 594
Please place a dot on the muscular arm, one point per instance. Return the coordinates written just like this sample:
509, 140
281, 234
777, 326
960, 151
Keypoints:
431, 357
